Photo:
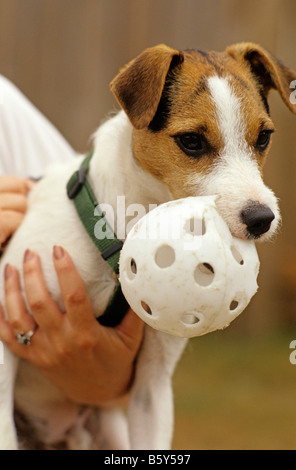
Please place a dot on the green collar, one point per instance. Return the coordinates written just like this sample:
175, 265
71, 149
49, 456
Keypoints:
88, 209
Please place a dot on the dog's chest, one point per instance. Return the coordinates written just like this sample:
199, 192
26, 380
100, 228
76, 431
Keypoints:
43, 415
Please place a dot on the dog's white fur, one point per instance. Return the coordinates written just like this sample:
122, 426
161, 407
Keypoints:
34, 395
52, 219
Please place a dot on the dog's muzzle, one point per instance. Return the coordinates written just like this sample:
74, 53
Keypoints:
257, 218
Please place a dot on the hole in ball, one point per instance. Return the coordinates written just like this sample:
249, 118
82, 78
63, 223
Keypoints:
233, 305
189, 319
195, 227
164, 256
133, 266
131, 269
237, 255
146, 307
204, 274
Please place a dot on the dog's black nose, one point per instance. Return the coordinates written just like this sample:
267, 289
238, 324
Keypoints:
258, 218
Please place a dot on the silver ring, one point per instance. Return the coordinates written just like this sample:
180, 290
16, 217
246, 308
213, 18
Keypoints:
25, 338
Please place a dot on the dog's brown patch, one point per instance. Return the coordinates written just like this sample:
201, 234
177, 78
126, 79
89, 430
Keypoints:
147, 72
191, 109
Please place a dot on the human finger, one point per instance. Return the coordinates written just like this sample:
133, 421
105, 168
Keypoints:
6, 332
13, 201
75, 296
8, 337
16, 310
9, 222
131, 330
44, 309
15, 184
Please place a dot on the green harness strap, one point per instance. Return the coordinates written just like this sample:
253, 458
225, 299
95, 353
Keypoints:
88, 209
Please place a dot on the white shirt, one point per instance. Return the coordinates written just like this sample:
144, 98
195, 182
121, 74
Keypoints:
28, 141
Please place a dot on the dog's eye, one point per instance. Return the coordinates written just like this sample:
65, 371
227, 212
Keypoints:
263, 139
194, 145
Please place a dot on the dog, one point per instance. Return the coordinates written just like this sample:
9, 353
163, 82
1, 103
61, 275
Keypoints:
192, 123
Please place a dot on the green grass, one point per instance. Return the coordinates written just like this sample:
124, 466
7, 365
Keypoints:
236, 392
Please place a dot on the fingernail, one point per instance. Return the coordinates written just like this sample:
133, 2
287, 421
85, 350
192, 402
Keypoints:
8, 271
58, 252
29, 255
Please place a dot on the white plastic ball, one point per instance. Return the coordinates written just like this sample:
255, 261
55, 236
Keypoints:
183, 272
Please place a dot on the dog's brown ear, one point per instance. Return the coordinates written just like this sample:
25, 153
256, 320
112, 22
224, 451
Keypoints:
269, 71
139, 85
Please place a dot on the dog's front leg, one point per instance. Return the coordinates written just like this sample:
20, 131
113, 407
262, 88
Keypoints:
151, 409
8, 439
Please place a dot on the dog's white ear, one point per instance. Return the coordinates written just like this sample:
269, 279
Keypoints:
139, 85
269, 71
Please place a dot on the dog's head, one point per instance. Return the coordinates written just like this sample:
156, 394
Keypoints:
202, 126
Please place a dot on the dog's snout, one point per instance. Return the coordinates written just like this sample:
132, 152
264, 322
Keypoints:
258, 218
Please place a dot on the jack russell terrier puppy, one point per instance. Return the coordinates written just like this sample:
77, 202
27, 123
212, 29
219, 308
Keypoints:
192, 123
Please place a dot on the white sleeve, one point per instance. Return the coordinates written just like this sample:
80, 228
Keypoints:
28, 141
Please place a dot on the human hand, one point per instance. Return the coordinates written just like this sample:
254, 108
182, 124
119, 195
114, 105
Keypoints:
90, 363
13, 204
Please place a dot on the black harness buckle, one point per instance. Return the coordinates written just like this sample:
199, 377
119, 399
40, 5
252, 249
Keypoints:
112, 249
76, 182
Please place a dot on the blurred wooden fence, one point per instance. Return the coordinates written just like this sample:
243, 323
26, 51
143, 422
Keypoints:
63, 54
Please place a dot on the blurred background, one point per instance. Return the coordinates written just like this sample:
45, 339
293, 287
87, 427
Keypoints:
233, 389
